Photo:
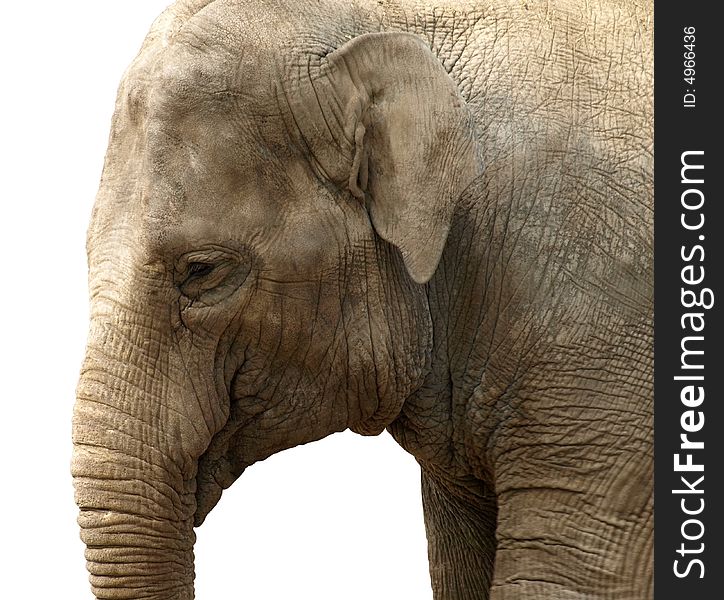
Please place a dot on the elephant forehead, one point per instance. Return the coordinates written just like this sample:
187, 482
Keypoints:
169, 82
209, 181
210, 169
201, 166
215, 46
191, 145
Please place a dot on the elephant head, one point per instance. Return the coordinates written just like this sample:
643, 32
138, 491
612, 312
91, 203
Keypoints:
267, 218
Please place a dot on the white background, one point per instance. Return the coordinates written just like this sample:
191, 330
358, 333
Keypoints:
340, 518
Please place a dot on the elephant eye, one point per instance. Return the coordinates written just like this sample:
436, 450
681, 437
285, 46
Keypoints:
209, 275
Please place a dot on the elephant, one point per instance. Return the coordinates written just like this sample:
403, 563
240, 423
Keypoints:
431, 217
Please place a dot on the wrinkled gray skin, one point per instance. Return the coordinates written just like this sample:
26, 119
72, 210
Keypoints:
443, 228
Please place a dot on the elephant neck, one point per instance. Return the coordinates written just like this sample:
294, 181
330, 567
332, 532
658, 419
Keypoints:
447, 421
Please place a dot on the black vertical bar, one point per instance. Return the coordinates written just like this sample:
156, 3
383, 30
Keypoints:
688, 271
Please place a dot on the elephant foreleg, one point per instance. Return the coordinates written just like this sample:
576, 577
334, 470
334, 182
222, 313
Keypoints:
557, 545
460, 523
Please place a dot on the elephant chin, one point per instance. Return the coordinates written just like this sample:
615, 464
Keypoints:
212, 479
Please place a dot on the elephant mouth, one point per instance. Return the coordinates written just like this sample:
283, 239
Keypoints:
222, 463
213, 477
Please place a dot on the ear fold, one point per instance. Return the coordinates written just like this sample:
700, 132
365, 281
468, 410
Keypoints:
388, 121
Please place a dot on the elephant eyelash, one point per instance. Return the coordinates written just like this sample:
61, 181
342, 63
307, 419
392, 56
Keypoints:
197, 270
195, 276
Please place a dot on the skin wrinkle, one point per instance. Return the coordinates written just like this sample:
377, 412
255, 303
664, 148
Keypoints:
157, 540
519, 376
147, 462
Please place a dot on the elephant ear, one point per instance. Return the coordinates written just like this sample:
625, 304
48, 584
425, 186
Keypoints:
381, 116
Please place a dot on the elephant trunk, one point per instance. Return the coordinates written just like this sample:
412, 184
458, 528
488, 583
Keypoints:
136, 497
132, 556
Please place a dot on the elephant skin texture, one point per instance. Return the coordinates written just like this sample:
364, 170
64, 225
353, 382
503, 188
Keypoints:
434, 218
